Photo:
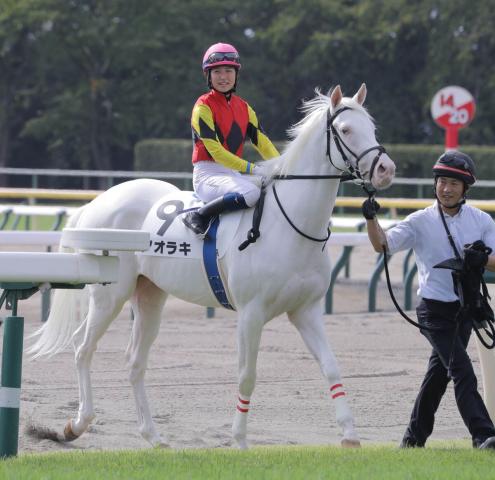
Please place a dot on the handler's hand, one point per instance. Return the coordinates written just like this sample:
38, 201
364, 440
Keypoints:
475, 259
370, 208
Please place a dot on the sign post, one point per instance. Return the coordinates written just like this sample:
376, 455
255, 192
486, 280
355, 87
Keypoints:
452, 108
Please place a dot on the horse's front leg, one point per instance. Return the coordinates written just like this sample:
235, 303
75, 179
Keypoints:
309, 322
249, 328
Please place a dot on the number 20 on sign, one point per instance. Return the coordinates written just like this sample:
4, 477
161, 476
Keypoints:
452, 108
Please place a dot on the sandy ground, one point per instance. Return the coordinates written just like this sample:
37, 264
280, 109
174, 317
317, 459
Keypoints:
191, 379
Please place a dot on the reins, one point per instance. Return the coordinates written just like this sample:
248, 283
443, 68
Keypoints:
309, 237
351, 174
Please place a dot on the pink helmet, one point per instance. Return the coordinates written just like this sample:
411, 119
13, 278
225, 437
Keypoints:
221, 54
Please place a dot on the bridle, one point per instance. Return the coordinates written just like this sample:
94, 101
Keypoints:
351, 173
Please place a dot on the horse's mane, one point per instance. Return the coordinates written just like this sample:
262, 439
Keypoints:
315, 111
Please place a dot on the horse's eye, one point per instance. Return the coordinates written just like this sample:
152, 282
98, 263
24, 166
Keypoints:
346, 130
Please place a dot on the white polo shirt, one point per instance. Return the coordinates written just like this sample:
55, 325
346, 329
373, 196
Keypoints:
423, 231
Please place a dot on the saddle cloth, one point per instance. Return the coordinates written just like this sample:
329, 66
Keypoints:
170, 238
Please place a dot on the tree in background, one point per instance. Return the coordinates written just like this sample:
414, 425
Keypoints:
19, 90
82, 81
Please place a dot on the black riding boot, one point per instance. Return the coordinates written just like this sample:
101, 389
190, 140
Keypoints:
199, 221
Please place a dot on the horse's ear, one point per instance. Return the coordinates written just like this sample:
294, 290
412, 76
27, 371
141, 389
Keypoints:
336, 97
360, 96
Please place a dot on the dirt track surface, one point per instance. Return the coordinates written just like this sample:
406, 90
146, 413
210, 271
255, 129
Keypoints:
192, 377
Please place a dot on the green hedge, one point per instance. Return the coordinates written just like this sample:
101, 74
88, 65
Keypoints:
416, 161
413, 161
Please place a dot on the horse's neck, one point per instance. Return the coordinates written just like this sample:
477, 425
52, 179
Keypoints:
310, 202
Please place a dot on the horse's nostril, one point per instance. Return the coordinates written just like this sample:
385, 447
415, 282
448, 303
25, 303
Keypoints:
381, 169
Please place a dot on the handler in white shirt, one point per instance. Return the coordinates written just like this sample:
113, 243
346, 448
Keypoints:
424, 232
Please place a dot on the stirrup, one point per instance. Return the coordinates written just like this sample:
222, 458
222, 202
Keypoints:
199, 224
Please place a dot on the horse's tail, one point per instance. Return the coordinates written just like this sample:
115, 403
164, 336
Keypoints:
66, 314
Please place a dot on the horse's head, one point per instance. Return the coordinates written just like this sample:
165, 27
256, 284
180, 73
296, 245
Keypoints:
354, 147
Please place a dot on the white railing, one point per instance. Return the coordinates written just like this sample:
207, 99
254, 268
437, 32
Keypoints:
186, 177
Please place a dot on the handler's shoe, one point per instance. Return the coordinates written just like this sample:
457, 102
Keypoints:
409, 443
488, 444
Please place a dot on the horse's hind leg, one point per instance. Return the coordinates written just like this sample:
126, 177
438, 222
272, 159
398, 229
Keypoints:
105, 303
309, 323
147, 305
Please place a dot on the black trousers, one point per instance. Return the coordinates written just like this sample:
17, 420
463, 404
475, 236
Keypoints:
441, 316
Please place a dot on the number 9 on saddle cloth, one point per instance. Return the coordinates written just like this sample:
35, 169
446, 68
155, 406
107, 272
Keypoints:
470, 286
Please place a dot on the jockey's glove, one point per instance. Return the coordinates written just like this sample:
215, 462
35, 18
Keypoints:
370, 208
257, 170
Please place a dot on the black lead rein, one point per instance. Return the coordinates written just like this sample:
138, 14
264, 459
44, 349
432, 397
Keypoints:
391, 292
394, 300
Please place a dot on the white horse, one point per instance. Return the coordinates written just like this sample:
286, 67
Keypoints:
283, 271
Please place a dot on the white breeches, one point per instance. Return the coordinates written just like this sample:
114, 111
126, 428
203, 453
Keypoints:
212, 180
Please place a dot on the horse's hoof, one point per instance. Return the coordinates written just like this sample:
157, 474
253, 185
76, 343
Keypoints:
350, 443
69, 434
161, 444
242, 445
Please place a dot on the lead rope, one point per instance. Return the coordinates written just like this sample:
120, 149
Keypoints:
462, 309
392, 296
371, 196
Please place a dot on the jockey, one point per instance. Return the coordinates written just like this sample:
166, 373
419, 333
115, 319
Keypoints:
221, 121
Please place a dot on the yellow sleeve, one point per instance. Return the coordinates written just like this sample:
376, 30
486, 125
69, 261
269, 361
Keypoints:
204, 127
259, 138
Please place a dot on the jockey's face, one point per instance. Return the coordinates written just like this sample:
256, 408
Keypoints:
223, 78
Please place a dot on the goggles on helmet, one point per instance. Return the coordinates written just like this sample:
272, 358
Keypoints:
217, 57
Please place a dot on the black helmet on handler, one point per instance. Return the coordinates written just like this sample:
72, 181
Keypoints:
457, 165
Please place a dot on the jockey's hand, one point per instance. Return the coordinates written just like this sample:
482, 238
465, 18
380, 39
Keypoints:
257, 170
370, 208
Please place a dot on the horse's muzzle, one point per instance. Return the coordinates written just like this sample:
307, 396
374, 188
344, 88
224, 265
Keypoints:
383, 173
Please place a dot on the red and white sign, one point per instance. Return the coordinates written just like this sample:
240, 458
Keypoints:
452, 108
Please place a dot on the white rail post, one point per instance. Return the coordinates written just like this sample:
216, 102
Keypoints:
21, 276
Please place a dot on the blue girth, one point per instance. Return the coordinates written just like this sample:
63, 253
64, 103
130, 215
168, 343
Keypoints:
211, 265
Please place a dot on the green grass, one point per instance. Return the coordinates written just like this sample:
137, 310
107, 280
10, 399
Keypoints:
442, 460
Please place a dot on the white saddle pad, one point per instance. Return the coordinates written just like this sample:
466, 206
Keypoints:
169, 237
